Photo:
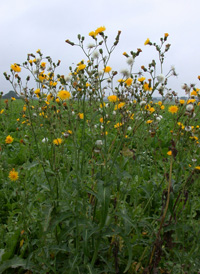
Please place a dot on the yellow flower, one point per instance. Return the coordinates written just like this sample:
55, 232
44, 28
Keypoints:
69, 131
147, 42
92, 33
43, 64
120, 80
101, 105
166, 35
197, 167
37, 91
87, 85
118, 125
30, 62
152, 109
2, 111
107, 69
42, 76
173, 109
64, 95
9, 139
190, 101
57, 100
101, 120
128, 81
149, 121
99, 30
182, 102
120, 105
146, 87
15, 67
162, 107
169, 153
113, 98
81, 67
193, 93
13, 175
49, 97
57, 141
81, 115
141, 79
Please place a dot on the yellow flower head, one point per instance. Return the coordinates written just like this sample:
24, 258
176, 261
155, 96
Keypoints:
166, 35
193, 93
169, 153
99, 30
92, 33
141, 79
57, 141
43, 64
49, 97
128, 81
37, 91
13, 175
107, 69
101, 120
119, 106
64, 95
15, 67
182, 102
9, 139
197, 167
81, 67
81, 115
173, 109
113, 98
147, 42
149, 121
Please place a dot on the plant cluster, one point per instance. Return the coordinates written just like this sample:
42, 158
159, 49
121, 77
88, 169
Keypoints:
96, 176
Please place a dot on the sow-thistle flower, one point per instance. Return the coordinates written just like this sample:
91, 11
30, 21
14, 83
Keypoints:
182, 102
13, 175
119, 106
197, 167
193, 93
147, 42
37, 91
92, 34
9, 139
99, 30
149, 121
128, 81
2, 111
57, 141
81, 115
43, 64
15, 67
141, 79
81, 67
169, 153
107, 69
173, 109
64, 95
113, 98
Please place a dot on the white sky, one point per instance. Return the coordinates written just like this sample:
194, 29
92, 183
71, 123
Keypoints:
28, 25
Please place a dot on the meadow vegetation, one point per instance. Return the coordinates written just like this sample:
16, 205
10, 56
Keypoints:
95, 176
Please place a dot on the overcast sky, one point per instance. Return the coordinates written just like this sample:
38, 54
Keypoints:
28, 25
